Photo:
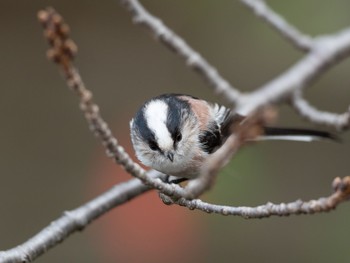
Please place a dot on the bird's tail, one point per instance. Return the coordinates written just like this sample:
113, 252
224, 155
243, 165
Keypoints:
291, 134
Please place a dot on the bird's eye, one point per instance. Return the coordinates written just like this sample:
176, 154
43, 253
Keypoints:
178, 137
153, 146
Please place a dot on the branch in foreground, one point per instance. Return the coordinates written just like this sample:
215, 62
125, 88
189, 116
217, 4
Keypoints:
306, 110
74, 220
79, 218
325, 204
100, 127
277, 22
324, 52
179, 46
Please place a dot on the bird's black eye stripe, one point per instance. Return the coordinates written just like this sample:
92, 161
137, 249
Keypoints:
153, 146
177, 136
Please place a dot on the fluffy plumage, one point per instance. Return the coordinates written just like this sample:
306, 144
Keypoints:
175, 133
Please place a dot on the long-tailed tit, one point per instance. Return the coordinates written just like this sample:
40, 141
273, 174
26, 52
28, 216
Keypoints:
175, 133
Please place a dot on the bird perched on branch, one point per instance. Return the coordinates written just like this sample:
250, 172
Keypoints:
175, 133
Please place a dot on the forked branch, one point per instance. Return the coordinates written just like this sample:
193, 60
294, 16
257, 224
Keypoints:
323, 53
175, 43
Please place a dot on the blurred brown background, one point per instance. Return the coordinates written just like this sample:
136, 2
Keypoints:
50, 162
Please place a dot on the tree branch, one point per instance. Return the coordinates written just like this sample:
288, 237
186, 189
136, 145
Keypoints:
325, 53
306, 110
324, 204
75, 220
175, 43
62, 51
277, 22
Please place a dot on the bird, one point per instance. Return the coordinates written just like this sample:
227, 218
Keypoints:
176, 133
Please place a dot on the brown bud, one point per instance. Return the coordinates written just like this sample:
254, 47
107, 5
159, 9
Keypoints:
336, 184
43, 16
53, 55
57, 19
64, 30
70, 48
49, 35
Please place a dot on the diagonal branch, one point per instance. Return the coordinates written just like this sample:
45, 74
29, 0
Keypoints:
74, 220
62, 51
175, 43
277, 22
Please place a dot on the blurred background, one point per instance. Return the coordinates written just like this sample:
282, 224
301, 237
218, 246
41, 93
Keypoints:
50, 162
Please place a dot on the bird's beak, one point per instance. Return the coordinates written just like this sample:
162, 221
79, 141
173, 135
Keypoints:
170, 156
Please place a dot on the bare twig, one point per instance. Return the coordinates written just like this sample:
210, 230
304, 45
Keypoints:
74, 220
57, 33
326, 52
277, 22
62, 52
325, 204
193, 59
306, 110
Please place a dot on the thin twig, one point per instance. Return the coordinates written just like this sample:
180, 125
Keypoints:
324, 204
309, 112
175, 43
74, 220
62, 53
277, 22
